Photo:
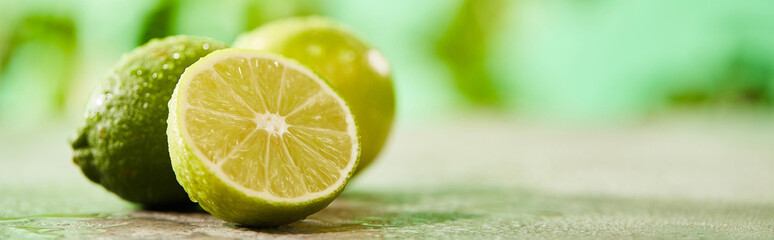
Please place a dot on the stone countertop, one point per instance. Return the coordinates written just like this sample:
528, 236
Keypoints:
488, 177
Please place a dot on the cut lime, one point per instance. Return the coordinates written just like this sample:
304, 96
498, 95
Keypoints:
258, 139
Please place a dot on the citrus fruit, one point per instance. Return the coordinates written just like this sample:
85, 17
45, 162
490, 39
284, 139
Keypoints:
258, 139
359, 72
123, 145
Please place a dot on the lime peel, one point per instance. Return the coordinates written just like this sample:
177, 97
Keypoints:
123, 145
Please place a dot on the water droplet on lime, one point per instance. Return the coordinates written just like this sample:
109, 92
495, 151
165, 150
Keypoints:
314, 49
348, 56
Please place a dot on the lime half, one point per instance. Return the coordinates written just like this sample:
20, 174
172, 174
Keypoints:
258, 139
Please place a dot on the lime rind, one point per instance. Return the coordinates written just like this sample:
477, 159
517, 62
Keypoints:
283, 28
123, 144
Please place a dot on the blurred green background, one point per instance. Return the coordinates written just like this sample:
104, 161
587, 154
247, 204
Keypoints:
669, 106
556, 60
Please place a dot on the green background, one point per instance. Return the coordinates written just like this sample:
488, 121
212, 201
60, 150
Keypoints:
559, 60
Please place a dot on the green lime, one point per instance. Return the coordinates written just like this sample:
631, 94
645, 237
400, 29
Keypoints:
359, 72
258, 139
123, 145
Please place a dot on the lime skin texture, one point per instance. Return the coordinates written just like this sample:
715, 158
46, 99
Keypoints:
123, 144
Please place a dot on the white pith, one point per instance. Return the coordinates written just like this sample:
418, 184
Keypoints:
272, 123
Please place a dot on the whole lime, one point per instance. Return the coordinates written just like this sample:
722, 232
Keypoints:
123, 143
359, 72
